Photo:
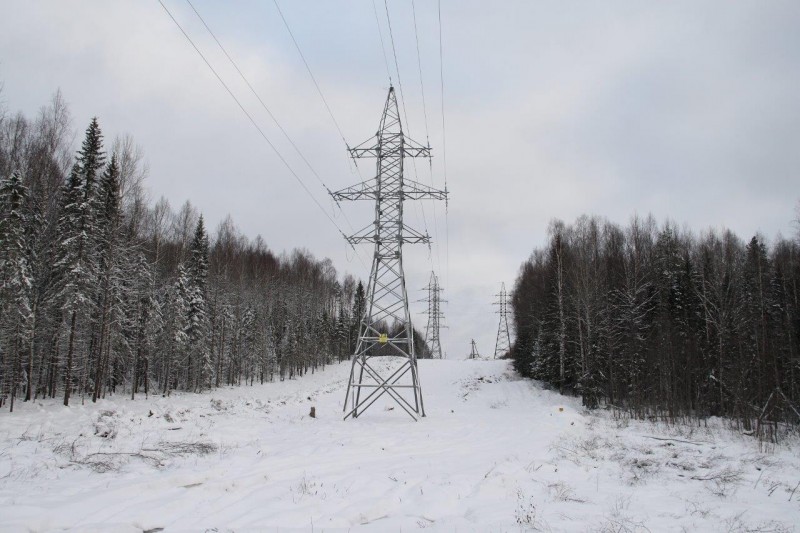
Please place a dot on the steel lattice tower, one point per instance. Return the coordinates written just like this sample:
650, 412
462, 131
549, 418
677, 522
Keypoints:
435, 316
473, 354
385, 328
503, 343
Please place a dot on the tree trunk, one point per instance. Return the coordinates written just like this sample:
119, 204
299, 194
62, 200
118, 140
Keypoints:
562, 327
70, 352
28, 393
14, 366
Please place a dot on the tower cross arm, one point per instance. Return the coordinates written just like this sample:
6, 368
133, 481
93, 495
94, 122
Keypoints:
368, 190
369, 148
361, 152
407, 239
408, 236
372, 148
412, 148
414, 190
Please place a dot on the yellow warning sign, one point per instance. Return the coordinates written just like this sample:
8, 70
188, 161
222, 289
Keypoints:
383, 339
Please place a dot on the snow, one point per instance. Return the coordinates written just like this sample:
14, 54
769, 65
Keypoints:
495, 453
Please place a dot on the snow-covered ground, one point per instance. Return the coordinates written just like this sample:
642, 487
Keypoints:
495, 453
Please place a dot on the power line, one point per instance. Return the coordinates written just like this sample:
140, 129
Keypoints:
405, 113
427, 135
271, 115
419, 64
396, 65
383, 46
441, 84
444, 145
256, 126
322, 96
324, 101
252, 90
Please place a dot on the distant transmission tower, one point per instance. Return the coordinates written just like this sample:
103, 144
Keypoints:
503, 344
385, 327
473, 354
435, 316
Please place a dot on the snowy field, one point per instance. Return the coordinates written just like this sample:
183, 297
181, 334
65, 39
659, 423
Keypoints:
495, 453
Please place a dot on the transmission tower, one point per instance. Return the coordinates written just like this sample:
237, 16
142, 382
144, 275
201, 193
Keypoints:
473, 354
435, 316
385, 328
503, 344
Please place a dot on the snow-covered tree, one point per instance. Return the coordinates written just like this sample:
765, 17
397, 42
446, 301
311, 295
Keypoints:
109, 270
200, 366
177, 327
16, 313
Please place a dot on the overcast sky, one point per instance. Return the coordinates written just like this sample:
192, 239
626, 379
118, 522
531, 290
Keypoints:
685, 109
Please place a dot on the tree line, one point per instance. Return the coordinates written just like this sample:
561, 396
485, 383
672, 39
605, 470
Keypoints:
104, 292
660, 322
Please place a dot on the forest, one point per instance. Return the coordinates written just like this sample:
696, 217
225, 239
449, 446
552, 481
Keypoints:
105, 292
659, 322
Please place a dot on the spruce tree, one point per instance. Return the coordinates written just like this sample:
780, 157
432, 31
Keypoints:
78, 232
359, 304
91, 157
142, 313
759, 372
72, 266
198, 260
108, 218
15, 291
177, 327
200, 365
